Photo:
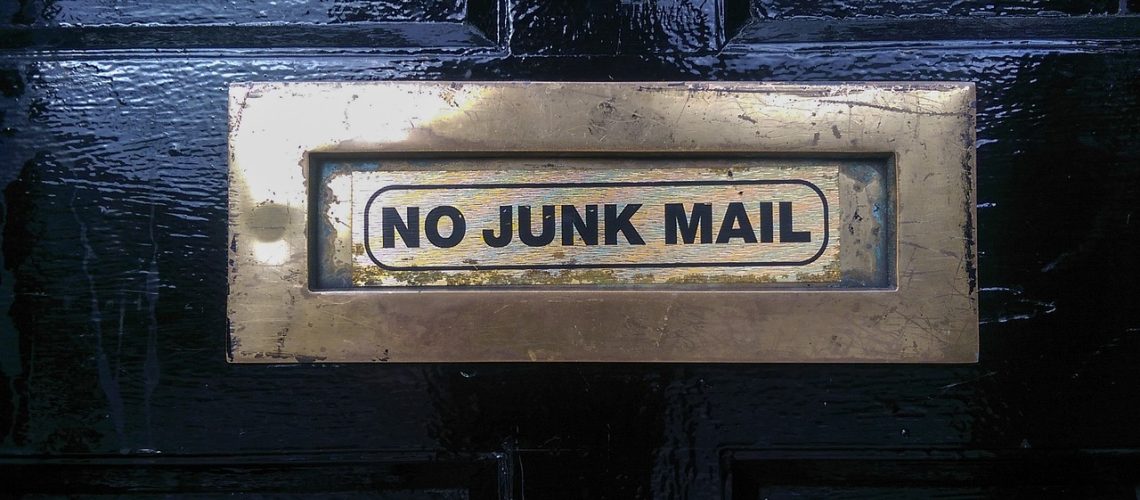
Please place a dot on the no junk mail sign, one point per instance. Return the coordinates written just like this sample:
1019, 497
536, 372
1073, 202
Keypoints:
588, 226
435, 222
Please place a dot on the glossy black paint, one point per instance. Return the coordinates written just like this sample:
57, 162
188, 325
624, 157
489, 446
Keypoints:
113, 376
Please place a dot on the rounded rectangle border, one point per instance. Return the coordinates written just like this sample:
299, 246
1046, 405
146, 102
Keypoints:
562, 185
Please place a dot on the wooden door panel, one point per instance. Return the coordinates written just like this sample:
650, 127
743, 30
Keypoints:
114, 165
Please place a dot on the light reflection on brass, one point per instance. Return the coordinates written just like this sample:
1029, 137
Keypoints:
900, 287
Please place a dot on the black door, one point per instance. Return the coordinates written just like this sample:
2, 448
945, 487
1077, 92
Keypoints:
113, 161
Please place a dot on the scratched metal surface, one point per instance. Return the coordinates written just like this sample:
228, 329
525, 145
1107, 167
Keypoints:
112, 347
924, 131
651, 261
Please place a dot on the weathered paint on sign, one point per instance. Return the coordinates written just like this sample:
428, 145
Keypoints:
595, 226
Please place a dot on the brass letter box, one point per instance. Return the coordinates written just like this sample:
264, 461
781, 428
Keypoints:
696, 222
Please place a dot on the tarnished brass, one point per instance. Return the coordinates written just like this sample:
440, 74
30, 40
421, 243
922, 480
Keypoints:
533, 226
561, 221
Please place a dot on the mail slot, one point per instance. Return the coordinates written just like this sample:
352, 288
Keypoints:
741, 222
445, 221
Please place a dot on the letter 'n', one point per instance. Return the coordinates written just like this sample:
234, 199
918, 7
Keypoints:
391, 223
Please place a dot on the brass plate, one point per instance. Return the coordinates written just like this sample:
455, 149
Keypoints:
876, 262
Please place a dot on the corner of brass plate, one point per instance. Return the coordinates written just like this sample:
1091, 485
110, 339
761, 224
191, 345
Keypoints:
839, 226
